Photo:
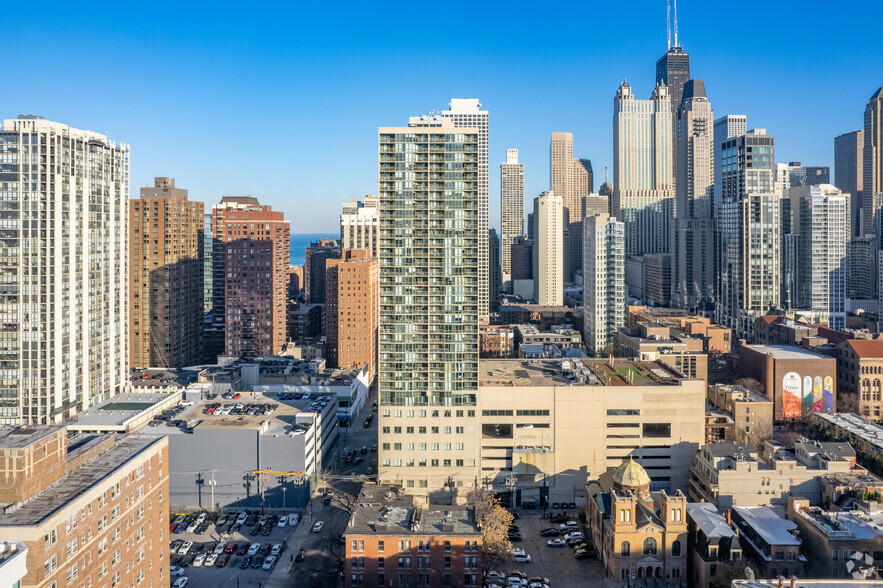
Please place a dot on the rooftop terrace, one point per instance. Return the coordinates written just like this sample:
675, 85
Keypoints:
569, 371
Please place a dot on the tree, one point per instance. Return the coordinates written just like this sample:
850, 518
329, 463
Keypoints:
727, 571
847, 402
751, 384
494, 521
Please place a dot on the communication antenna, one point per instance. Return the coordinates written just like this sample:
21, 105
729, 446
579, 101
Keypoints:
676, 23
668, 21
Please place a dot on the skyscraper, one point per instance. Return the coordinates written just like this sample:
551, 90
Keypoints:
166, 283
548, 249
693, 242
251, 257
872, 164
821, 220
570, 178
360, 223
731, 125
643, 191
673, 70
466, 113
749, 231
494, 270
351, 311
207, 263
603, 280
315, 258
848, 175
429, 301
65, 270
512, 207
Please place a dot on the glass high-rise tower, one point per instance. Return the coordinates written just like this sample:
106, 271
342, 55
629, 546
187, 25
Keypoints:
429, 301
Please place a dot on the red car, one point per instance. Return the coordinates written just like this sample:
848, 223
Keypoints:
172, 528
209, 411
236, 397
243, 549
230, 548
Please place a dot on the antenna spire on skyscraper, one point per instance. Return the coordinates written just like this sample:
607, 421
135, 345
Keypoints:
676, 23
668, 21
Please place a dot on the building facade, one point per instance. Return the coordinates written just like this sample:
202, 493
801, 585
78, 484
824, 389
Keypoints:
250, 288
351, 310
603, 280
548, 250
725, 127
166, 283
749, 227
860, 372
494, 273
512, 208
360, 223
104, 520
673, 70
316, 257
872, 162
65, 319
429, 290
848, 174
643, 195
693, 248
570, 178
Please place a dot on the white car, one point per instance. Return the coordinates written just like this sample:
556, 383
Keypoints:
268, 563
180, 520
185, 547
211, 559
282, 522
218, 550
241, 519
317, 528
262, 520
180, 582
293, 520
516, 581
521, 558
192, 526
198, 560
176, 571
277, 549
255, 547
569, 525
200, 519
573, 536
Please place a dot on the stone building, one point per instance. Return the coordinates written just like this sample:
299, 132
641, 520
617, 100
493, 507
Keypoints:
860, 372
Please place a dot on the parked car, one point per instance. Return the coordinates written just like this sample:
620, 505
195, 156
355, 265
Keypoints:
219, 548
231, 548
513, 537
358, 460
255, 530
192, 527
255, 547
265, 550
317, 528
243, 548
246, 561
173, 547
240, 520
180, 582
267, 530
198, 560
556, 543
550, 533
300, 555
569, 526
256, 562
269, 562
176, 571
277, 549
539, 580
211, 559
201, 528
185, 547
222, 561
282, 522
520, 556
178, 529
583, 554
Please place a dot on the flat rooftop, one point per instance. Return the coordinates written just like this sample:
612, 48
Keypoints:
57, 496
786, 352
846, 526
20, 437
852, 423
385, 510
574, 371
159, 377
120, 409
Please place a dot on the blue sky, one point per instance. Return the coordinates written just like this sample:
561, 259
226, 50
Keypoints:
283, 102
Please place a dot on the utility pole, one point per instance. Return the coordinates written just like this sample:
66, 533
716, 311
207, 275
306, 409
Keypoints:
213, 490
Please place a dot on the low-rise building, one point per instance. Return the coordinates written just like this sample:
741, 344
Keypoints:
637, 533
390, 541
777, 329
562, 336
658, 342
735, 474
496, 342
866, 437
719, 425
91, 509
13, 563
713, 544
838, 543
715, 338
798, 381
543, 316
751, 413
860, 372
768, 541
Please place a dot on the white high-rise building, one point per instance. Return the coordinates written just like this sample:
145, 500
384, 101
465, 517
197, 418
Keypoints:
548, 249
64, 261
693, 242
643, 187
572, 179
731, 125
360, 223
467, 113
511, 206
821, 220
603, 280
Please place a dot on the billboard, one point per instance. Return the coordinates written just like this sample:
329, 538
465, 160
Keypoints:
791, 395
805, 395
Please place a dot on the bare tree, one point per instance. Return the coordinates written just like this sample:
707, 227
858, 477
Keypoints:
494, 521
752, 384
848, 402
727, 571
761, 431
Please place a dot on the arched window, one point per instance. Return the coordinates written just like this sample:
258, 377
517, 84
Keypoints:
676, 549
866, 389
649, 546
625, 549
876, 395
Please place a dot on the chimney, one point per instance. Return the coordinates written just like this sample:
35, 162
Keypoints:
729, 520
781, 581
793, 581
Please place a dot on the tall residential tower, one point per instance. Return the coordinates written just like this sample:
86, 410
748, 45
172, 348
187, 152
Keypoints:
548, 249
872, 164
571, 179
848, 175
603, 280
512, 206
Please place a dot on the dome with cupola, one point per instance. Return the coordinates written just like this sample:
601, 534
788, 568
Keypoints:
630, 476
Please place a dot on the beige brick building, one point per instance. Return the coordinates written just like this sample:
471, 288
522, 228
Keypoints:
92, 510
352, 294
752, 414
860, 372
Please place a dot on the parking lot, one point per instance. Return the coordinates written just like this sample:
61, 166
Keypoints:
555, 563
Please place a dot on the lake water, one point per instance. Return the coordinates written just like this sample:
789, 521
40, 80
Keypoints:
301, 241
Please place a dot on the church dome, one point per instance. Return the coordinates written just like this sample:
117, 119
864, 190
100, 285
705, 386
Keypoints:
631, 475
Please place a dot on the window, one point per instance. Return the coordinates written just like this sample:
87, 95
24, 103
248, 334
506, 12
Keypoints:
625, 549
676, 548
380, 546
619, 412
649, 546
657, 429
447, 545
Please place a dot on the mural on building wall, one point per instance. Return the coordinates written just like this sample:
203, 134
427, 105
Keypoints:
814, 395
791, 395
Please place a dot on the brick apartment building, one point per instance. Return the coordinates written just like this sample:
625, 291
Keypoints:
91, 509
251, 258
352, 295
392, 542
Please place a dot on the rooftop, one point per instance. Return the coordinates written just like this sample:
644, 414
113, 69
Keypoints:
69, 488
709, 520
772, 528
121, 409
786, 352
737, 451
574, 371
846, 526
852, 423
160, 378
385, 509
867, 348
20, 437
